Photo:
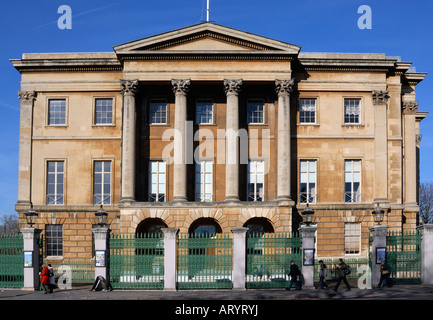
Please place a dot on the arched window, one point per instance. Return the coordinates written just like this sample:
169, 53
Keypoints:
150, 225
259, 226
205, 226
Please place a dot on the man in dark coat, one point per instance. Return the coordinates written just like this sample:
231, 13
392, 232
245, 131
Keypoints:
294, 273
341, 267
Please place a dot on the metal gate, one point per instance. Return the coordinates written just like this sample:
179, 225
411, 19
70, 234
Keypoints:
137, 261
403, 254
268, 259
11, 261
205, 261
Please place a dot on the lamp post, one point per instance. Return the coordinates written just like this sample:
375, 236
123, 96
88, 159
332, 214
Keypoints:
378, 214
31, 214
308, 215
101, 217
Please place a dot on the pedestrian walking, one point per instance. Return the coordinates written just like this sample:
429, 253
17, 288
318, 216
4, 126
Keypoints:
341, 272
52, 282
385, 273
323, 272
45, 279
294, 273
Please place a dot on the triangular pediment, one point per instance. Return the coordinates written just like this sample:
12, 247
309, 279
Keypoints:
206, 37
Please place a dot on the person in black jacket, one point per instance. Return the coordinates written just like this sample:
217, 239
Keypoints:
294, 273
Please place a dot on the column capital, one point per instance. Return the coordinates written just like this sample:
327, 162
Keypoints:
232, 86
27, 96
284, 86
181, 86
410, 107
380, 97
129, 87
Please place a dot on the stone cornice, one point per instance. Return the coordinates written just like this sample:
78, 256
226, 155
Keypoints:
204, 56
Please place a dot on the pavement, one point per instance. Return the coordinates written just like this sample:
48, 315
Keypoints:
397, 292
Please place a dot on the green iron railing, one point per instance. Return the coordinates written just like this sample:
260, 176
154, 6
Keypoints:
11, 261
205, 262
331, 263
81, 271
137, 261
268, 259
403, 254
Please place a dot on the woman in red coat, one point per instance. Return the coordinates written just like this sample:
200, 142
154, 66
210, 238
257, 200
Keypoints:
45, 278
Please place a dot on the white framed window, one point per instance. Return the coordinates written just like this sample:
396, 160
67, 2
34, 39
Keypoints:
307, 181
56, 112
103, 111
158, 111
54, 240
157, 181
102, 182
255, 180
352, 181
204, 112
352, 238
352, 111
256, 111
55, 182
307, 111
203, 181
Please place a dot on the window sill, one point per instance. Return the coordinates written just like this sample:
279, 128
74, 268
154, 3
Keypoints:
353, 125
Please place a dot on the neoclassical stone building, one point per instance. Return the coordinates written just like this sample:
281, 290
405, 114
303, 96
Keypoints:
207, 128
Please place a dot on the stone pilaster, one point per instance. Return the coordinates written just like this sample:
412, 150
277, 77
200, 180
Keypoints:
308, 242
170, 258
284, 89
380, 100
239, 257
31, 245
232, 89
180, 89
102, 236
378, 234
410, 163
27, 99
129, 89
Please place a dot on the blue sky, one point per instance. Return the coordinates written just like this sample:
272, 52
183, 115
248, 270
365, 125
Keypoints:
399, 28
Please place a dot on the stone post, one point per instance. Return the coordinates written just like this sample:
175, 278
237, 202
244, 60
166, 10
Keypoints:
180, 89
170, 258
308, 242
102, 236
129, 89
27, 99
31, 244
378, 233
284, 88
232, 89
239, 257
410, 162
427, 254
380, 99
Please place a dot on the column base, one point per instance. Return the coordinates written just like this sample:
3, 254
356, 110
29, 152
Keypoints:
180, 199
232, 199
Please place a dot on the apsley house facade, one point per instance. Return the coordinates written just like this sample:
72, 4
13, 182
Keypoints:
207, 128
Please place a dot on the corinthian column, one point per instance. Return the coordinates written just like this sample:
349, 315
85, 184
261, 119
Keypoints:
380, 100
129, 89
410, 162
232, 89
283, 88
25, 146
180, 89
